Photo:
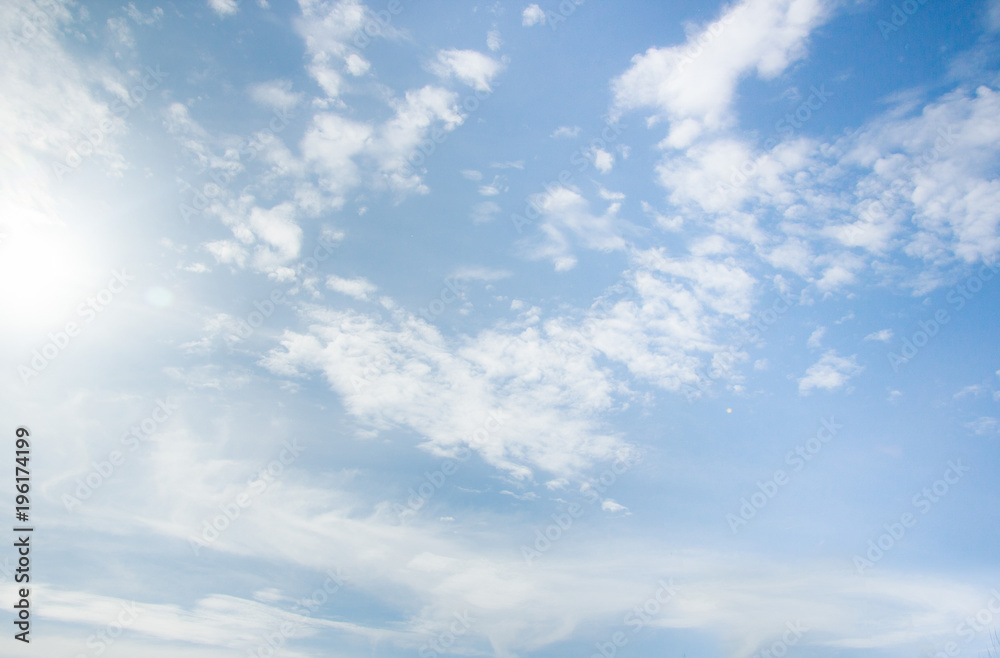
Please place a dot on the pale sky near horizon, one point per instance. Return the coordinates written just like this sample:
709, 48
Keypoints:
426, 328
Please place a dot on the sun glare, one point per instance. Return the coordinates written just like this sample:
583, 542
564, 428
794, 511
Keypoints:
44, 271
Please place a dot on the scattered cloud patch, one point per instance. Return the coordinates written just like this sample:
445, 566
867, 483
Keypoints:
984, 426
694, 92
882, 335
223, 7
603, 160
532, 15
480, 274
276, 94
565, 132
830, 372
485, 211
359, 288
816, 338
468, 66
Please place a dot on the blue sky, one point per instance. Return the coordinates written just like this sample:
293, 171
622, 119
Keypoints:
436, 328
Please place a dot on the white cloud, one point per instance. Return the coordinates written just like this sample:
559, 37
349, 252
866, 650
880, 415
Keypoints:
935, 168
842, 271
120, 28
975, 390
993, 15
272, 235
516, 610
485, 211
662, 319
816, 338
480, 274
345, 153
540, 395
984, 425
330, 144
276, 94
61, 115
830, 372
397, 140
50, 97
328, 29
693, 85
277, 227
216, 620
603, 161
423, 572
666, 223
567, 214
497, 186
793, 255
711, 245
468, 66
228, 251
509, 164
928, 170
359, 288
532, 15
883, 335
554, 390
531, 495
224, 7
356, 64
154, 16
718, 283
565, 132
610, 505
178, 120
493, 40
